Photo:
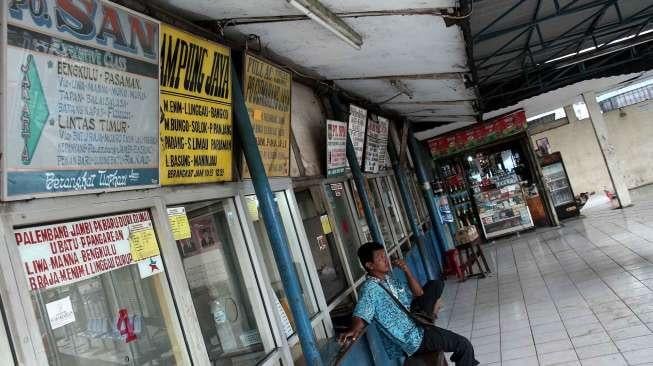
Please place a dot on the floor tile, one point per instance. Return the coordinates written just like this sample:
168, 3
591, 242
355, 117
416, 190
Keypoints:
606, 360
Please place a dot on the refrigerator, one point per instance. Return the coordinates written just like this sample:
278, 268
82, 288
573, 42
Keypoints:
557, 184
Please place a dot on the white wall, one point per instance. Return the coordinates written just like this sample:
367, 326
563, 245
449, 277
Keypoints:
630, 132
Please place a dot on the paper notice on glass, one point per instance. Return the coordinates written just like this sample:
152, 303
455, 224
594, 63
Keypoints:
150, 266
252, 208
179, 223
326, 224
250, 338
285, 322
60, 312
142, 241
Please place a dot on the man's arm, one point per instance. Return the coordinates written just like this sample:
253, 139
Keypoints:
357, 327
414, 285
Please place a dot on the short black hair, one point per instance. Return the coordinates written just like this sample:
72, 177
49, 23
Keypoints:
366, 252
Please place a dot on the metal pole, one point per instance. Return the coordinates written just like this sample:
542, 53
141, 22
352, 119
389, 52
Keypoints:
357, 173
273, 225
420, 168
410, 210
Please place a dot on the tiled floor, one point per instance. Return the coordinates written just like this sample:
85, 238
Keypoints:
581, 294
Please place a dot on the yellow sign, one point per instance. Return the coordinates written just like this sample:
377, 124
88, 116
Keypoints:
179, 223
326, 224
195, 126
267, 95
142, 241
252, 208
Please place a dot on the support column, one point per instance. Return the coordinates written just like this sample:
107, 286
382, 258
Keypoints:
359, 179
411, 212
420, 168
273, 225
607, 150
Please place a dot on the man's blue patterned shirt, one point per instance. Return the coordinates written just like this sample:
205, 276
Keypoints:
399, 333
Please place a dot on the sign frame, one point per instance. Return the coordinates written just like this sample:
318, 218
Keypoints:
243, 74
4, 122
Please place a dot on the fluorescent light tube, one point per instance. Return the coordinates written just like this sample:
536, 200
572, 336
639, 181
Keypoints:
326, 18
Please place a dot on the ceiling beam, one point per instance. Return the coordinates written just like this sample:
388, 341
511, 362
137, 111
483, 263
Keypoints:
433, 76
433, 102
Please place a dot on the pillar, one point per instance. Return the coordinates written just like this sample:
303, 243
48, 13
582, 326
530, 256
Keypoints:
607, 149
273, 225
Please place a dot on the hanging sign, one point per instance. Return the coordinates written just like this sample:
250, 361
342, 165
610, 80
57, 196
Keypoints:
336, 142
82, 116
357, 124
61, 254
481, 134
267, 95
196, 127
376, 143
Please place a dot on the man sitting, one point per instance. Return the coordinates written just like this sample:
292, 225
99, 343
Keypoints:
400, 334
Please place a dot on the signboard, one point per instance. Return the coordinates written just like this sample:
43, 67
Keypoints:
62, 254
336, 147
267, 96
481, 134
376, 143
82, 116
357, 124
196, 127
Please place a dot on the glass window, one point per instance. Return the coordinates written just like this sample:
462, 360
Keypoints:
393, 207
345, 226
366, 235
377, 205
216, 283
322, 242
418, 197
94, 303
268, 257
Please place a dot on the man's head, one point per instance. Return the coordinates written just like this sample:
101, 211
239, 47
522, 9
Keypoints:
373, 258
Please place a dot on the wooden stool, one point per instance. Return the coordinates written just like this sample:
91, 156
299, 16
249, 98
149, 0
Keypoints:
427, 359
473, 252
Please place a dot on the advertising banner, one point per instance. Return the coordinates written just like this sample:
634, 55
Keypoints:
61, 254
480, 134
267, 95
82, 115
376, 144
336, 147
196, 127
357, 124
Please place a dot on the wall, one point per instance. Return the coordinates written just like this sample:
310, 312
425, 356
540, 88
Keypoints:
630, 133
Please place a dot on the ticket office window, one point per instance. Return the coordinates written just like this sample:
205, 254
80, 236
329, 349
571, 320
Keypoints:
319, 230
394, 207
214, 256
377, 205
359, 213
99, 292
264, 251
344, 223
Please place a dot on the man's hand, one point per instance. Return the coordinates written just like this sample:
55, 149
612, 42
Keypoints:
348, 337
401, 264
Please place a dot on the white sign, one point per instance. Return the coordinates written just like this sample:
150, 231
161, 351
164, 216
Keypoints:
336, 147
150, 266
376, 144
61, 254
285, 322
357, 124
60, 312
83, 114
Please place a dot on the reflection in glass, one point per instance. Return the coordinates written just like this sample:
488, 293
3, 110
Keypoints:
380, 214
337, 199
321, 239
217, 287
283, 305
394, 208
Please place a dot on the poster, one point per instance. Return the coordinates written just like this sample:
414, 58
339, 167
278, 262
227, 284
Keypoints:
60, 312
62, 254
336, 145
179, 223
480, 134
376, 144
357, 124
83, 116
267, 95
196, 126
142, 241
